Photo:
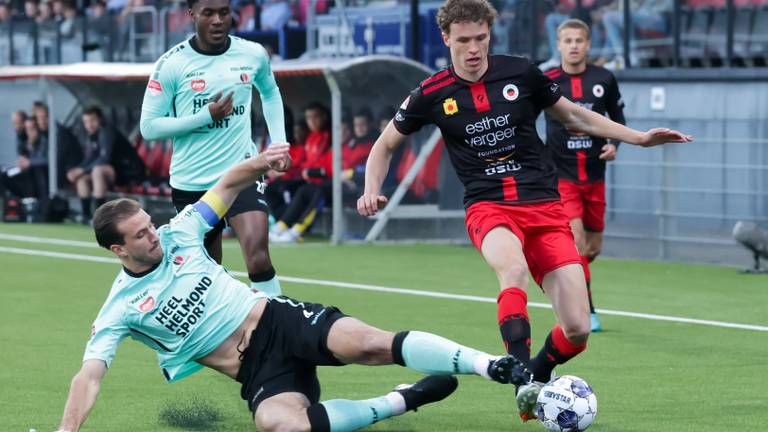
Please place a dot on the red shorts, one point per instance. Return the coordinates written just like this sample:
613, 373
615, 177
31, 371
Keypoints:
585, 201
543, 230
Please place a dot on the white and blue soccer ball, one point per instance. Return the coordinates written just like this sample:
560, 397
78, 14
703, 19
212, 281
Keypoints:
566, 404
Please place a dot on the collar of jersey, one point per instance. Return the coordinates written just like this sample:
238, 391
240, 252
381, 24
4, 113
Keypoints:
141, 274
193, 44
469, 83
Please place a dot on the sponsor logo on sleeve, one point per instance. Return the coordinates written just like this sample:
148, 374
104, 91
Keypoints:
510, 92
598, 90
198, 85
450, 107
154, 87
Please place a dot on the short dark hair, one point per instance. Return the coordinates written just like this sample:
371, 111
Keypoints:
39, 105
108, 216
365, 112
94, 110
21, 113
459, 11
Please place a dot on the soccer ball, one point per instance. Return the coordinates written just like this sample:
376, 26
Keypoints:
566, 404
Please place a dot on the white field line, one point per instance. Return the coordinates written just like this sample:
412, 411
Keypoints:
377, 288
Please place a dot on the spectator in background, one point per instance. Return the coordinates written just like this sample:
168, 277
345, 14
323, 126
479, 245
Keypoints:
93, 176
12, 179
355, 154
5, 13
644, 15
57, 10
282, 186
29, 178
30, 10
45, 14
69, 153
275, 14
99, 22
317, 149
67, 24
356, 142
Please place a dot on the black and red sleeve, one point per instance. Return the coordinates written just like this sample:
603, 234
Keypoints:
413, 113
545, 92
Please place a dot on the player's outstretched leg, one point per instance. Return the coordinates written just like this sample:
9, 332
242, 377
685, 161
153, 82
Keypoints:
435, 355
350, 415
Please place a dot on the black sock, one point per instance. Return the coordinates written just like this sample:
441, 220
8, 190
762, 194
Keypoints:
85, 206
589, 295
318, 418
262, 276
516, 334
545, 361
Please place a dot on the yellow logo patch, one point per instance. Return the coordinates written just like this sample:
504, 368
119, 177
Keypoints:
450, 107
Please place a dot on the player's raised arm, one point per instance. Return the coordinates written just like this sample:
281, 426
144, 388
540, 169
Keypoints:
579, 119
376, 170
82, 394
215, 203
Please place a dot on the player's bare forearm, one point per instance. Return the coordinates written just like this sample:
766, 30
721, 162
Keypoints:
576, 118
377, 166
579, 119
82, 395
244, 174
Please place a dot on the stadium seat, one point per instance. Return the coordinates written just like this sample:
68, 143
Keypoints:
694, 37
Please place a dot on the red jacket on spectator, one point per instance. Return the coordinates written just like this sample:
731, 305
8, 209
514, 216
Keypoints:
317, 150
298, 156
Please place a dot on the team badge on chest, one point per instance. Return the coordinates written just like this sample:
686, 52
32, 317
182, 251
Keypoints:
510, 92
450, 107
598, 90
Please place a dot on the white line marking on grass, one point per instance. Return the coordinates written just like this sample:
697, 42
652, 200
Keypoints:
421, 293
44, 240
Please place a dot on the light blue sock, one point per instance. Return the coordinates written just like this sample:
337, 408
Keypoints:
435, 355
348, 415
269, 287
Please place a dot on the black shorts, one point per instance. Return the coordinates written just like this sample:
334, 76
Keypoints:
251, 199
285, 350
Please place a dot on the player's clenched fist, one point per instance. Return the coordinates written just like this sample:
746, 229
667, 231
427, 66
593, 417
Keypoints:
282, 165
370, 204
275, 155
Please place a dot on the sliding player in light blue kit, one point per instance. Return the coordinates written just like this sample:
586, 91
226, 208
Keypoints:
200, 94
173, 298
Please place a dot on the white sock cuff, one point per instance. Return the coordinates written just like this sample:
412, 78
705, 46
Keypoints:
397, 402
481, 364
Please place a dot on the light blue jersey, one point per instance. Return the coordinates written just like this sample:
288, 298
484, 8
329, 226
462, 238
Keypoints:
175, 105
184, 308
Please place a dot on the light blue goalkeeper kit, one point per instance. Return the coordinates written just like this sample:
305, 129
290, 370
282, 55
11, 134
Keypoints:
175, 105
183, 308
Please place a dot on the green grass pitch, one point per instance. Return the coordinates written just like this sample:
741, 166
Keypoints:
648, 375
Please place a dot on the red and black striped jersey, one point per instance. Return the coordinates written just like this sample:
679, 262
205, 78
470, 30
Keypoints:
577, 155
489, 127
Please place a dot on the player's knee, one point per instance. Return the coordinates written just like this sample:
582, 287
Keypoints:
280, 421
258, 260
577, 332
515, 274
376, 347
